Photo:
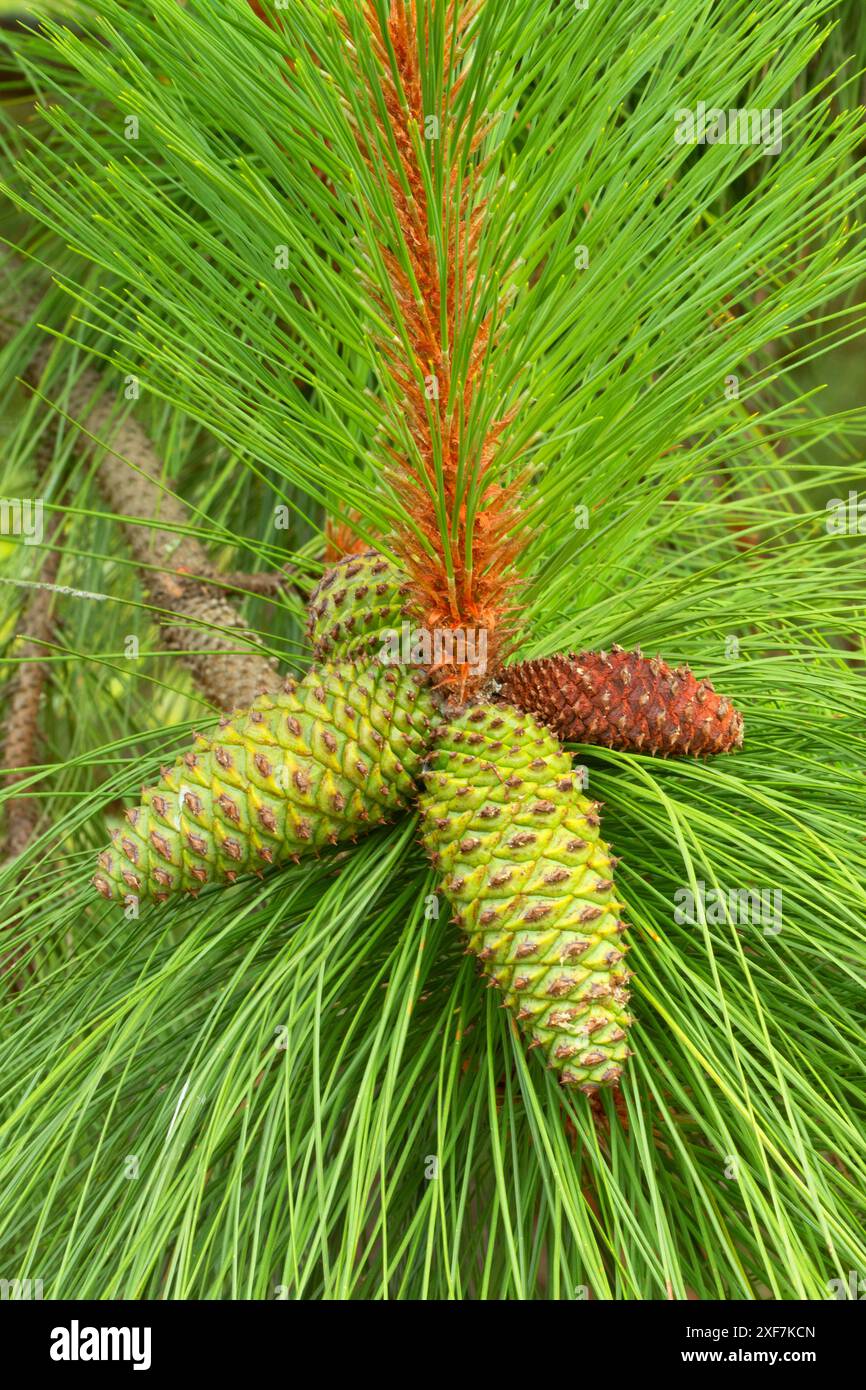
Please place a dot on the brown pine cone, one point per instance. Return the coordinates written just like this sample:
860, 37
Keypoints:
624, 700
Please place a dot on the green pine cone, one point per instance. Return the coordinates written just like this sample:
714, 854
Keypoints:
530, 882
331, 756
354, 604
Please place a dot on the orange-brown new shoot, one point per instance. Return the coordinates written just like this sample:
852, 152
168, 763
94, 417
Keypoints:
466, 580
341, 539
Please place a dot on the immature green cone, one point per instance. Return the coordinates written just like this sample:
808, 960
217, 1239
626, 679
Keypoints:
331, 756
354, 604
530, 882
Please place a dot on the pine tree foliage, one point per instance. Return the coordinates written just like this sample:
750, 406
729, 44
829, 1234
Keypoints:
297, 1086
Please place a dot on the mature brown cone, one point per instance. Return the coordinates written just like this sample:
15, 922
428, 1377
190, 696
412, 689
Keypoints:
624, 700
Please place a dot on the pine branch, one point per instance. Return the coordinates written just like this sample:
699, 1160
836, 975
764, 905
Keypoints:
742, 1051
